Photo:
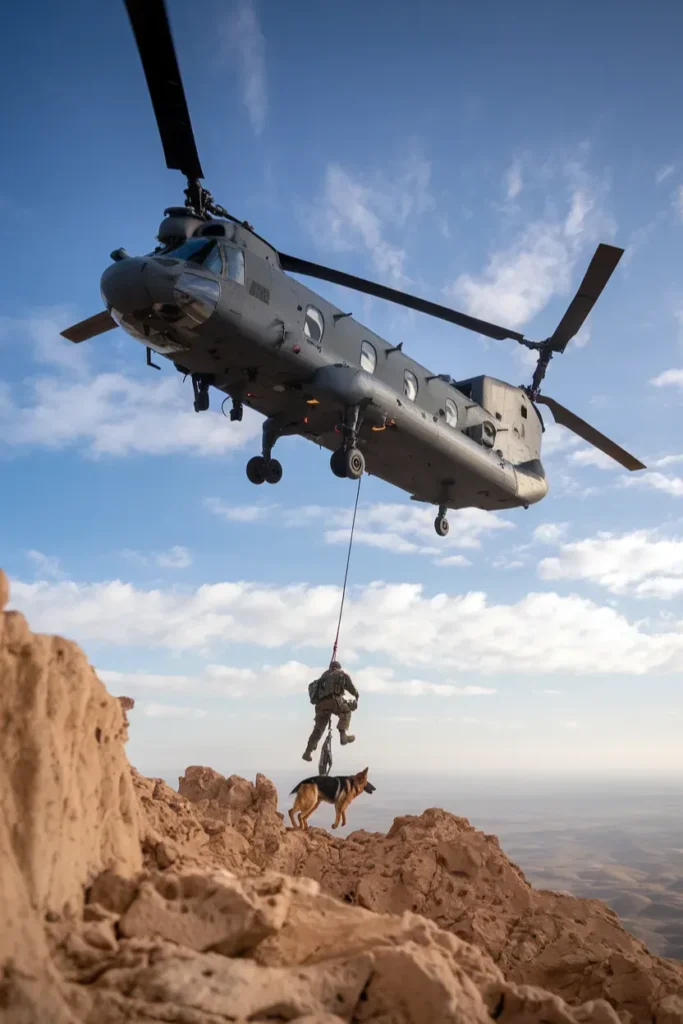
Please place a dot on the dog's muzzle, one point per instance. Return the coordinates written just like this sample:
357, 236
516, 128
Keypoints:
369, 788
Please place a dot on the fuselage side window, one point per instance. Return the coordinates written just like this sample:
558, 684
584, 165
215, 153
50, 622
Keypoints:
368, 357
212, 260
314, 325
234, 263
451, 413
410, 385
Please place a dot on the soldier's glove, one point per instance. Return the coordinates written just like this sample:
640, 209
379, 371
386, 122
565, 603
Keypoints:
352, 705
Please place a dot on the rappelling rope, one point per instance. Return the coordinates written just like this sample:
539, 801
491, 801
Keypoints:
346, 573
325, 762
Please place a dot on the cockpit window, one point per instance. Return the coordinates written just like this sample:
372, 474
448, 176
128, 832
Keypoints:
204, 251
234, 263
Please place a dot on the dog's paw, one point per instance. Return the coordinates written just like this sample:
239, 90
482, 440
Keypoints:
334, 826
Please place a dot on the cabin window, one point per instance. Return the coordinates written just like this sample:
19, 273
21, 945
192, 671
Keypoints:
410, 385
234, 263
368, 357
314, 325
451, 413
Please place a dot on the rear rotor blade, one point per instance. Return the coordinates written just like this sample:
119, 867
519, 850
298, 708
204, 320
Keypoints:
599, 271
574, 423
157, 53
380, 291
90, 328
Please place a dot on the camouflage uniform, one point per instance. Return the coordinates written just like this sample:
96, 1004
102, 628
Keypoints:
331, 688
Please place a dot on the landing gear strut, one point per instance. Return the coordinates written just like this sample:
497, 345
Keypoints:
200, 386
236, 411
348, 460
263, 468
441, 523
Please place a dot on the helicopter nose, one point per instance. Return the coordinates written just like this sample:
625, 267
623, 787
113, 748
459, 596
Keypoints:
122, 285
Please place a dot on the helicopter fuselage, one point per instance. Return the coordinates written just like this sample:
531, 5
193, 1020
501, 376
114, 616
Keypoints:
215, 301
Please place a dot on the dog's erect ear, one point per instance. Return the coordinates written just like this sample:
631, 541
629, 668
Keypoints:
364, 772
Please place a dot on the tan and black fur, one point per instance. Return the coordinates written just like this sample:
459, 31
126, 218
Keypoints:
339, 790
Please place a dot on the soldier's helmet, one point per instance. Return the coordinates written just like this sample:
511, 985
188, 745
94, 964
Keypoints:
335, 665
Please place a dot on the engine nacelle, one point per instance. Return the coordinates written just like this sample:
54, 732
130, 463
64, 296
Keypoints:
178, 225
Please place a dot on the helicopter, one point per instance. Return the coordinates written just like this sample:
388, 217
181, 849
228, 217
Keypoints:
216, 300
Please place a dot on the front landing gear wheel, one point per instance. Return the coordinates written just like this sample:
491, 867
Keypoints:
273, 472
441, 526
256, 470
355, 464
338, 462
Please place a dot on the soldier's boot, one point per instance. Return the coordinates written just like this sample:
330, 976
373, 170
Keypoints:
310, 747
345, 738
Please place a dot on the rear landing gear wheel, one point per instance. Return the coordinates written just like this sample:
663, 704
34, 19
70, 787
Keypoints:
273, 472
256, 470
355, 463
441, 526
338, 462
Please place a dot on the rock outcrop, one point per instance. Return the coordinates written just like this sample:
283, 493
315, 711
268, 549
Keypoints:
125, 901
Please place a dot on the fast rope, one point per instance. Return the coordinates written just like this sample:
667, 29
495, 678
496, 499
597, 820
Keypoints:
325, 762
346, 573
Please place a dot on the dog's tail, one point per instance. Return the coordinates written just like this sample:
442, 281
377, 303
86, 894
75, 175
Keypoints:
296, 788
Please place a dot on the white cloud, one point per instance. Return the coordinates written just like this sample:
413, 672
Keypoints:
245, 40
507, 563
548, 693
464, 634
171, 711
668, 460
672, 485
48, 565
557, 439
41, 329
513, 180
361, 213
176, 557
399, 528
592, 457
639, 563
281, 680
550, 533
678, 202
237, 513
520, 279
663, 173
115, 415
668, 378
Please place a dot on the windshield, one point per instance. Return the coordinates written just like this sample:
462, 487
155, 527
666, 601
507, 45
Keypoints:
198, 250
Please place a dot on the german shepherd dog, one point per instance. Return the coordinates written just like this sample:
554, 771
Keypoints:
339, 790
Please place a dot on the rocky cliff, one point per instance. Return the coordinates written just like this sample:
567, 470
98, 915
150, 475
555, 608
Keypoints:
124, 900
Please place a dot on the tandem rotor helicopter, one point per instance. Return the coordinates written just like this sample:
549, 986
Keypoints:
216, 300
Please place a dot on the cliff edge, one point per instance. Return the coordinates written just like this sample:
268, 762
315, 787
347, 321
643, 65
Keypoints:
124, 900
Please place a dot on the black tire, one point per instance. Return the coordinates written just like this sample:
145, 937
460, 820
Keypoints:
273, 472
355, 463
256, 469
201, 402
338, 463
441, 526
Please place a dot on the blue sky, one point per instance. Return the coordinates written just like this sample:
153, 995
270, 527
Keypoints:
473, 156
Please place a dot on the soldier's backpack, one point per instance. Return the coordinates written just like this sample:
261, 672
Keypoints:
313, 690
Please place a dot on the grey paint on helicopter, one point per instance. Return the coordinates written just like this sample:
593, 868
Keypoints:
214, 298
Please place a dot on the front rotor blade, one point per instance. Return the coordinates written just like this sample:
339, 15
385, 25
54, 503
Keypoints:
380, 291
157, 53
574, 423
90, 328
600, 269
